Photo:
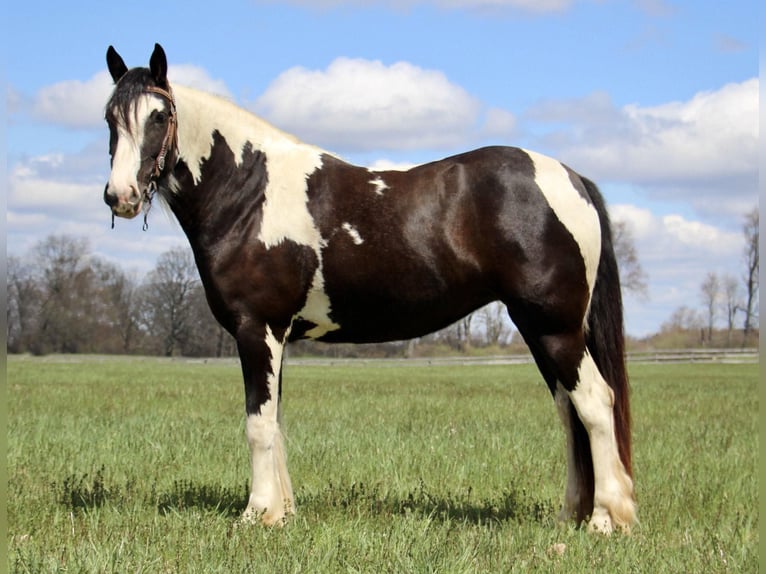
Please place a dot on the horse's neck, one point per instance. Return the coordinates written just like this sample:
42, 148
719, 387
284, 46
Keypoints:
231, 165
200, 115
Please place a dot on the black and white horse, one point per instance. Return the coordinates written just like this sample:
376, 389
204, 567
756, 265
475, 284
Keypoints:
291, 242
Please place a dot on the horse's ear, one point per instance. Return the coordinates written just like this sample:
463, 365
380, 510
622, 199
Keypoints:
116, 65
158, 64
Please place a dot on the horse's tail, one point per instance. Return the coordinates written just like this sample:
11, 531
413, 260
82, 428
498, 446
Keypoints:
605, 337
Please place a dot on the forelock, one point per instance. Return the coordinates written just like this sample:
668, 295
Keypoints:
132, 85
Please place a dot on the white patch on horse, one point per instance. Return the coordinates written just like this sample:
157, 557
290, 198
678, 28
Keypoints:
317, 308
572, 210
289, 162
200, 115
285, 210
353, 233
271, 493
594, 401
379, 185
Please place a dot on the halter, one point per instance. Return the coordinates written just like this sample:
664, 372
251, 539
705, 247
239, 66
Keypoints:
171, 139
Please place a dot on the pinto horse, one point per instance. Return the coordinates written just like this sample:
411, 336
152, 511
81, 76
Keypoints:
291, 242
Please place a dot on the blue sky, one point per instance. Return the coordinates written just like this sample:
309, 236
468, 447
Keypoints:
656, 100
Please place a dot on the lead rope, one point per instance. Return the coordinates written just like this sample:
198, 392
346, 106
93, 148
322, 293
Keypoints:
148, 196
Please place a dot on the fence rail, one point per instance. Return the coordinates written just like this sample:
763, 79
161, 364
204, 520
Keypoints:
723, 356
749, 355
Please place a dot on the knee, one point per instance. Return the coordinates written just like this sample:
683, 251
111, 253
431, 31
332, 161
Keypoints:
261, 433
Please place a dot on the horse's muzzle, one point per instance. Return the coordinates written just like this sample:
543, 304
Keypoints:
124, 207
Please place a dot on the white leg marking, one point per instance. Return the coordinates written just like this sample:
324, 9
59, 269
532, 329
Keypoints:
572, 493
271, 495
351, 230
573, 210
613, 503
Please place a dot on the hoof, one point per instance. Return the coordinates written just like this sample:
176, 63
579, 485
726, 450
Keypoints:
265, 517
601, 523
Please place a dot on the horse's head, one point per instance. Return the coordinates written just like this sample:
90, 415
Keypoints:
141, 116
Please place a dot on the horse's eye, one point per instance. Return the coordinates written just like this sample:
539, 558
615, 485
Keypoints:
160, 117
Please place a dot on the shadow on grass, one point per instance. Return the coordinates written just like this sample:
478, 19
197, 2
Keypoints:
186, 494
89, 491
511, 504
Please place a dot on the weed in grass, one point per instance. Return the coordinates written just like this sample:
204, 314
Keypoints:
186, 495
86, 491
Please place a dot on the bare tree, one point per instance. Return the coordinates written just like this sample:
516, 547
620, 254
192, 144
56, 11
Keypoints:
464, 335
168, 298
632, 276
119, 296
204, 336
710, 293
752, 237
23, 304
683, 319
731, 304
497, 326
64, 281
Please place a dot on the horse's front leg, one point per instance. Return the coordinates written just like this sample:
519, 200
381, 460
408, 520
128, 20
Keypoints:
271, 494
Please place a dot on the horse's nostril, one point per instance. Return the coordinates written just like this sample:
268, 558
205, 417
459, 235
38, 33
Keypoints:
109, 199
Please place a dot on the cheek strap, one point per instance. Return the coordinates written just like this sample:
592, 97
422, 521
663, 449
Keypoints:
171, 135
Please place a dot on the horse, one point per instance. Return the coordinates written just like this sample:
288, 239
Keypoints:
291, 242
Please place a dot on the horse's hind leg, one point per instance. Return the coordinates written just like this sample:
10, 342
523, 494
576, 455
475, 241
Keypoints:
578, 495
593, 399
271, 496
597, 484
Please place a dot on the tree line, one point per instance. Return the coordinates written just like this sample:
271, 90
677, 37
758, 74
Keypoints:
729, 311
64, 299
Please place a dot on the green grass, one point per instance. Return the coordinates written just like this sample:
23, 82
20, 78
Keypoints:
119, 465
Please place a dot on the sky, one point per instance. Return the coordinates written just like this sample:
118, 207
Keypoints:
655, 100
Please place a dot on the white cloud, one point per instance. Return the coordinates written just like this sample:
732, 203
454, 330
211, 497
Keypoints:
196, 77
361, 104
499, 122
661, 237
62, 194
73, 103
80, 104
694, 150
677, 253
388, 165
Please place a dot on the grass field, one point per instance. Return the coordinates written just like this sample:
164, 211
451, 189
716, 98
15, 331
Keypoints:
120, 465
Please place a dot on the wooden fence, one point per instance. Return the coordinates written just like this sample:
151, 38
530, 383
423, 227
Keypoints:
748, 355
